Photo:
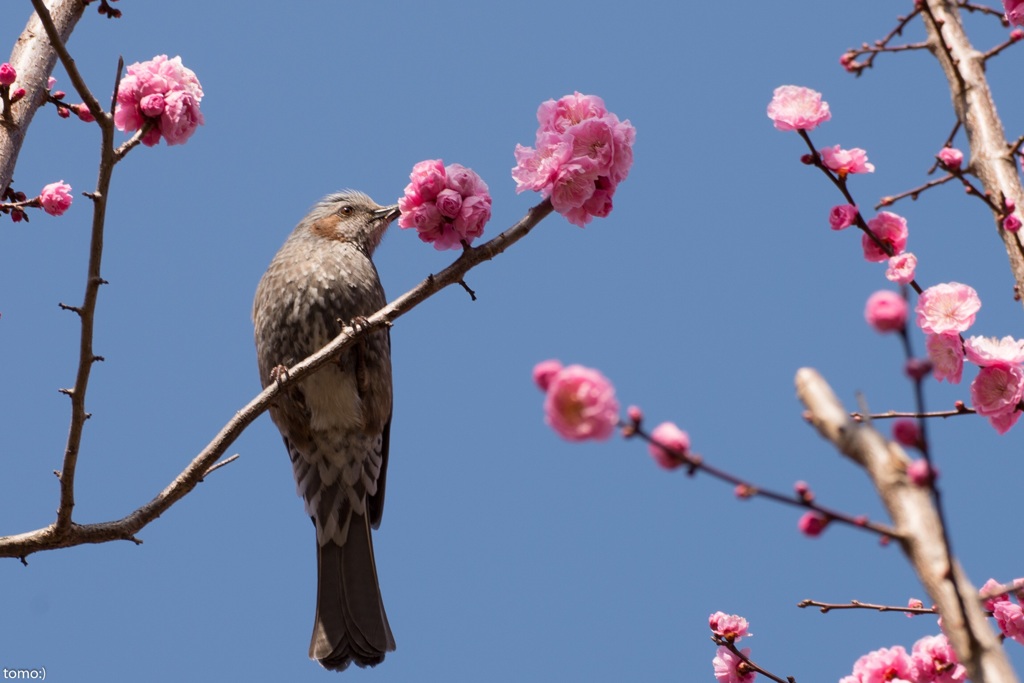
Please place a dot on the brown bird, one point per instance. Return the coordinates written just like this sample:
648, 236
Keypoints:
336, 422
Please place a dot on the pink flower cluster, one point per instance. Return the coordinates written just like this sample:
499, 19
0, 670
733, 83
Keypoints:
1009, 615
944, 312
55, 198
797, 108
164, 92
932, 660
447, 205
580, 403
728, 666
582, 153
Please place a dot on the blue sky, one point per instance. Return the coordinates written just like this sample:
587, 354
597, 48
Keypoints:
505, 553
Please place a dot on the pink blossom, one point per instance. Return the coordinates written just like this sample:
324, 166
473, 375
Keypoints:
729, 668
1003, 422
886, 665
990, 603
55, 198
1011, 223
947, 307
906, 432
582, 152
1014, 11
447, 205
732, 627
544, 372
946, 353
845, 161
951, 157
675, 441
997, 389
891, 230
7, 74
797, 108
989, 350
1010, 617
901, 268
842, 216
886, 311
161, 91
812, 523
50, 82
921, 473
935, 661
559, 116
581, 404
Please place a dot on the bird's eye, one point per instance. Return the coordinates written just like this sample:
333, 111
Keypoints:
346, 210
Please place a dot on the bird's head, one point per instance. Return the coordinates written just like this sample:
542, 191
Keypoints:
350, 216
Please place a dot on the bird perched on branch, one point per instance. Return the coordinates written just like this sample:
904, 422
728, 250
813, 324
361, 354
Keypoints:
335, 422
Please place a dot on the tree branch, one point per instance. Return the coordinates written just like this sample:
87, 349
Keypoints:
919, 529
991, 160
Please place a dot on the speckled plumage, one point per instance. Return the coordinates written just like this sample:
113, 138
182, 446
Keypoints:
336, 422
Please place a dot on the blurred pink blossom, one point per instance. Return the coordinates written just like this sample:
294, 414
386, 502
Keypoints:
989, 350
886, 311
1010, 617
990, 603
886, 665
676, 442
797, 108
951, 157
55, 198
842, 216
447, 205
582, 152
727, 666
945, 351
890, 229
812, 523
936, 662
164, 92
1014, 11
580, 403
947, 307
1011, 223
906, 432
844, 161
1004, 421
544, 372
921, 473
901, 268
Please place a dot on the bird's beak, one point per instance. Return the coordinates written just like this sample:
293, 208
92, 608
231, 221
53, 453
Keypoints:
387, 213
